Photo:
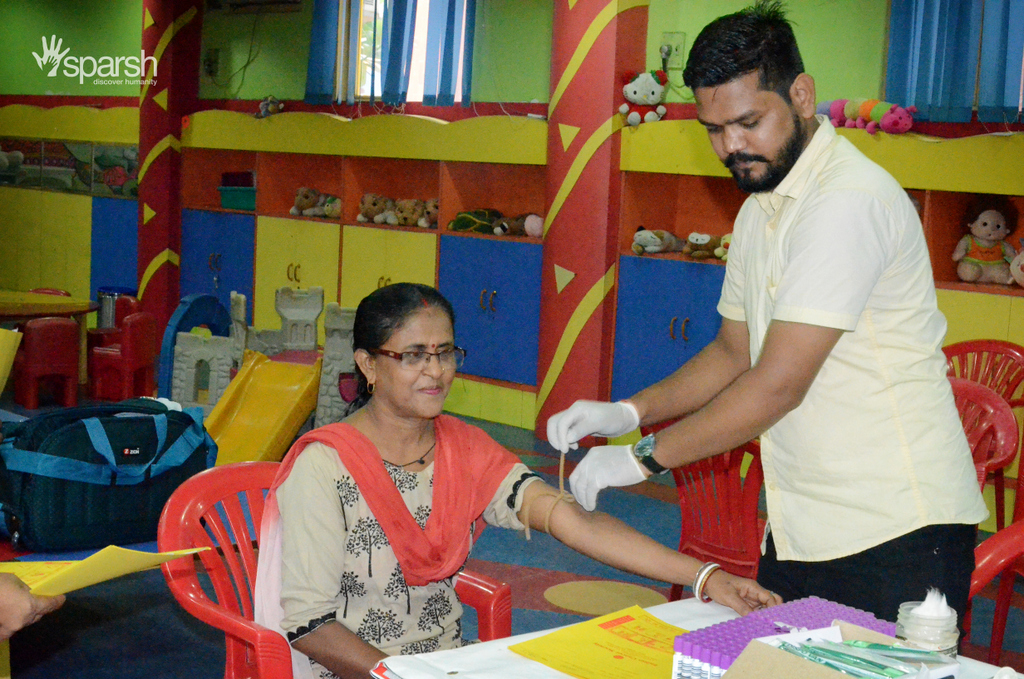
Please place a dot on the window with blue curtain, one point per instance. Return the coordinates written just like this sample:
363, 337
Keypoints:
385, 49
951, 57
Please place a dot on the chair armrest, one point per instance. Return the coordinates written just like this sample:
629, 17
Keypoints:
996, 554
492, 600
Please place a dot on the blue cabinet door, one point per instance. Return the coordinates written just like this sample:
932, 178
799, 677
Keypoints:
666, 314
217, 252
495, 289
115, 240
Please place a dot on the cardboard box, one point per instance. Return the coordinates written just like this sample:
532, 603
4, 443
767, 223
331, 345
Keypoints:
759, 660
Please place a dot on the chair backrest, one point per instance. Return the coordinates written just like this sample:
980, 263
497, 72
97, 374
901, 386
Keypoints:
997, 364
988, 423
222, 508
51, 291
124, 305
139, 341
52, 340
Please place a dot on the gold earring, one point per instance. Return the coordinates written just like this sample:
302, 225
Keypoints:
369, 388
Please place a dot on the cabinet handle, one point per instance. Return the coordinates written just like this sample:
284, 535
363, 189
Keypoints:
682, 329
672, 327
490, 302
387, 281
483, 307
380, 282
214, 261
289, 270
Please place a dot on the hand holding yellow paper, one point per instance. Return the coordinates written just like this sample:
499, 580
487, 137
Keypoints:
49, 578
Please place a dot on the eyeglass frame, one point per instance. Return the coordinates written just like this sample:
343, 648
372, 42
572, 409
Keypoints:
400, 356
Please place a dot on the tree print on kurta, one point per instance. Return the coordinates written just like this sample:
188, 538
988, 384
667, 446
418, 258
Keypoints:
379, 626
351, 587
366, 536
421, 515
398, 587
421, 646
349, 495
435, 609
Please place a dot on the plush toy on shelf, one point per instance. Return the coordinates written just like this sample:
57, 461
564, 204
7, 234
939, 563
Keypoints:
524, 225
983, 255
11, 160
431, 208
701, 245
311, 203
269, 106
407, 212
653, 241
643, 93
374, 207
869, 115
475, 221
722, 251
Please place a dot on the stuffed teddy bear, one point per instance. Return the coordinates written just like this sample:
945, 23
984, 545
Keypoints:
475, 221
269, 106
11, 160
524, 225
701, 245
311, 203
983, 255
643, 93
722, 251
407, 212
649, 242
372, 208
430, 212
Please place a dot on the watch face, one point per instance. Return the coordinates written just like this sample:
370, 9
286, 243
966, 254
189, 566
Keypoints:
644, 447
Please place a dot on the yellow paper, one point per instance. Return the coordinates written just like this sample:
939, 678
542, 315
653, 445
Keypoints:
9, 341
49, 578
5, 659
628, 644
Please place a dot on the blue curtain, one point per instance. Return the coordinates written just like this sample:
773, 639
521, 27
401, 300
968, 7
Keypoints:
939, 50
396, 50
445, 39
1002, 49
323, 53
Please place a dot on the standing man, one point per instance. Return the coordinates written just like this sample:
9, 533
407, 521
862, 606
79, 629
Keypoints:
829, 350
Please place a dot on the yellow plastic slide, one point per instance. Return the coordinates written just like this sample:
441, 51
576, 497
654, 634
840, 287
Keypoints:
263, 409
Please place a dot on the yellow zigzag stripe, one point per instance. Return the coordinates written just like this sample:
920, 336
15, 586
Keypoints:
607, 129
590, 303
601, 21
166, 257
165, 40
168, 142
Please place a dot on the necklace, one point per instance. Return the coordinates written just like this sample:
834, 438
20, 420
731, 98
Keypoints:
423, 457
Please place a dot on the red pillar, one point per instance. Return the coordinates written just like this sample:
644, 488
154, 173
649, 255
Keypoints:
171, 37
593, 43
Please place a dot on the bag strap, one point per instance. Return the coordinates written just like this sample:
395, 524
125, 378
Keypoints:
32, 462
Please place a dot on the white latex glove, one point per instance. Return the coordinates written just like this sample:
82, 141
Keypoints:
584, 418
604, 466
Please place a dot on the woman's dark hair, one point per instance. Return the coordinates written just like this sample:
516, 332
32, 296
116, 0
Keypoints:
384, 311
758, 38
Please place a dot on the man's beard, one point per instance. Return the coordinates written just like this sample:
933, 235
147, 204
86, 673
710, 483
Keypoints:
776, 170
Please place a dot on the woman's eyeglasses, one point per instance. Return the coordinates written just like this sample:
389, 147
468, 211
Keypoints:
449, 359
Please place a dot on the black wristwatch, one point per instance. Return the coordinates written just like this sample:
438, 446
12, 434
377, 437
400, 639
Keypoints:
643, 450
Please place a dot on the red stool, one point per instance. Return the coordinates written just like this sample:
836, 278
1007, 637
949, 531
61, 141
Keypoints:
124, 305
126, 369
48, 351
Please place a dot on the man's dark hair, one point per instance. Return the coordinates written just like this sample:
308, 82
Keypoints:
758, 38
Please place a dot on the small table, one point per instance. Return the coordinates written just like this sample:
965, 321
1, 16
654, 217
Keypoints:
493, 659
16, 307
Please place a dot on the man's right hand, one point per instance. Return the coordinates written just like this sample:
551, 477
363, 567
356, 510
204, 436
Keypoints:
585, 418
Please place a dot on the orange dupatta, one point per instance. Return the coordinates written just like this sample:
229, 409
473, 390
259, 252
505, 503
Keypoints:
468, 468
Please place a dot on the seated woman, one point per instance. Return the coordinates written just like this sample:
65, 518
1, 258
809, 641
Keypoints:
370, 520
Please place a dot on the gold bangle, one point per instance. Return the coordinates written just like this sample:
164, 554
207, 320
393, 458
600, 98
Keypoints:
701, 580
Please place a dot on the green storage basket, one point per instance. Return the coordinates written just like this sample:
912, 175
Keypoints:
238, 197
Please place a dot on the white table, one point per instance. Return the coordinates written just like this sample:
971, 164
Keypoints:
493, 659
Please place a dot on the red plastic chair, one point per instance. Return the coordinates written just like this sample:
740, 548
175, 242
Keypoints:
998, 365
719, 510
51, 291
127, 369
212, 509
989, 424
997, 556
124, 305
48, 352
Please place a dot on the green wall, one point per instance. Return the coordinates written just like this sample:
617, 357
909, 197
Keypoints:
842, 43
88, 28
512, 55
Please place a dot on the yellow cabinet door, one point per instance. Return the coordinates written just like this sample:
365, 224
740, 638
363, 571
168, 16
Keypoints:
293, 253
373, 257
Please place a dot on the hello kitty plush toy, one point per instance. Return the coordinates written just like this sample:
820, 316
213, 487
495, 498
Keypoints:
643, 92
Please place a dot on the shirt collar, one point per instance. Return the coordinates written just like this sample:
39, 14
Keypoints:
794, 182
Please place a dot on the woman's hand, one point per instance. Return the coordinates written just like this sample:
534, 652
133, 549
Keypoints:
19, 607
740, 594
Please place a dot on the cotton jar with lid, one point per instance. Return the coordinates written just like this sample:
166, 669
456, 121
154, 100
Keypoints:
929, 625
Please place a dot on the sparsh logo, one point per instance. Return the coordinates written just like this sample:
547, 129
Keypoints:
108, 68
51, 55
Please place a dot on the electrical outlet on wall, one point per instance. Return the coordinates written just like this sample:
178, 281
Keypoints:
211, 62
676, 43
